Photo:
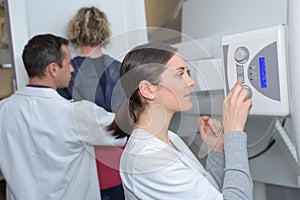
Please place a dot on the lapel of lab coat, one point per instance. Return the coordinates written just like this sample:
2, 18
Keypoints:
189, 159
185, 154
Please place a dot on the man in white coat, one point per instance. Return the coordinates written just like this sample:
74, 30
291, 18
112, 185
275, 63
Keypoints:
46, 141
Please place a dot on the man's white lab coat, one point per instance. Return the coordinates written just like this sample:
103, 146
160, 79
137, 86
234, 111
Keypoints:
46, 145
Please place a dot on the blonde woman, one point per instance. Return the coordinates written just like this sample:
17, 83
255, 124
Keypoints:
94, 78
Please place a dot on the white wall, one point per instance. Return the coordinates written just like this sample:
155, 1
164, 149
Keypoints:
215, 18
31, 17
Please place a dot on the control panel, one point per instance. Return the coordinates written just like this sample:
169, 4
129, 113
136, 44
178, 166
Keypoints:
259, 59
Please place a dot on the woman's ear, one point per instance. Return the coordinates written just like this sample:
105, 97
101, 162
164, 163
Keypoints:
147, 90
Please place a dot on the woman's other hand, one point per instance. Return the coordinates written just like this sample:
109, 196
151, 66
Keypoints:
211, 133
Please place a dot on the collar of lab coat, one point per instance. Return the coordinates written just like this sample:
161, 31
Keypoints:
38, 92
183, 153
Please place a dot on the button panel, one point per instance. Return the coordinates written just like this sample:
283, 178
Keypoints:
240, 72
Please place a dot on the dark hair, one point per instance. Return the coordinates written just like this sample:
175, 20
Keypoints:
144, 62
42, 50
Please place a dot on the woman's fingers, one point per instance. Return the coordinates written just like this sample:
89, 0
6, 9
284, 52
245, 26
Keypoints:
216, 127
236, 92
235, 108
234, 88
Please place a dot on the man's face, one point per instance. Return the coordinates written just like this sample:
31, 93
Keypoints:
64, 73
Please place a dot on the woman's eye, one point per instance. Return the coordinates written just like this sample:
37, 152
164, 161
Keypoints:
180, 75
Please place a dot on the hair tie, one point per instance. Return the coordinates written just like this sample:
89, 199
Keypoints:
130, 101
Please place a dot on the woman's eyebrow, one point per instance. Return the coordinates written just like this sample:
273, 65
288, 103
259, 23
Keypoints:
181, 68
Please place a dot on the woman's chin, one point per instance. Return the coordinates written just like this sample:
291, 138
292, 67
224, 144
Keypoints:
187, 107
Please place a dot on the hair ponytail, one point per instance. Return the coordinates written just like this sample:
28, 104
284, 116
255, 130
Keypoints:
123, 124
144, 62
126, 116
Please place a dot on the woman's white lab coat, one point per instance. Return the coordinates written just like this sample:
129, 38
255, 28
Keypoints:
151, 169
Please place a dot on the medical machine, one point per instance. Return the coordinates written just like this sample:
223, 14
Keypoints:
259, 59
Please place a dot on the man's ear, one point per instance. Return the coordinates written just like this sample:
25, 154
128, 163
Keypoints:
147, 90
52, 69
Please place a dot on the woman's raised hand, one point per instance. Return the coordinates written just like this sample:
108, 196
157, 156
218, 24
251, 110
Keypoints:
236, 108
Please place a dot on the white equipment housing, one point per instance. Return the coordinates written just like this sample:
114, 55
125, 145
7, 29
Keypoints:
259, 59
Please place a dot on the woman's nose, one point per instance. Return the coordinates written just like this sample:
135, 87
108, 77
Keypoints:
190, 81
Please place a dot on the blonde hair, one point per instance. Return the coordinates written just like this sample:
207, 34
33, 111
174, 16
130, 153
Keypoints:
89, 27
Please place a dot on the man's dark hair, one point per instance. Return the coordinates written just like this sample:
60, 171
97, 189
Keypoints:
42, 50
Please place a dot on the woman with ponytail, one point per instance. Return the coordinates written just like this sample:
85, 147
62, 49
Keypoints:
156, 163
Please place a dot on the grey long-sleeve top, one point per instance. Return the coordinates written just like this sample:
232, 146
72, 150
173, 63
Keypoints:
230, 170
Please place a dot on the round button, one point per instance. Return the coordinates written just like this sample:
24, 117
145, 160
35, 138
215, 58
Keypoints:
241, 55
248, 89
241, 78
239, 69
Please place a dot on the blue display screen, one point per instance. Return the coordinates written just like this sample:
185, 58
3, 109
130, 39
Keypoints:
263, 73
